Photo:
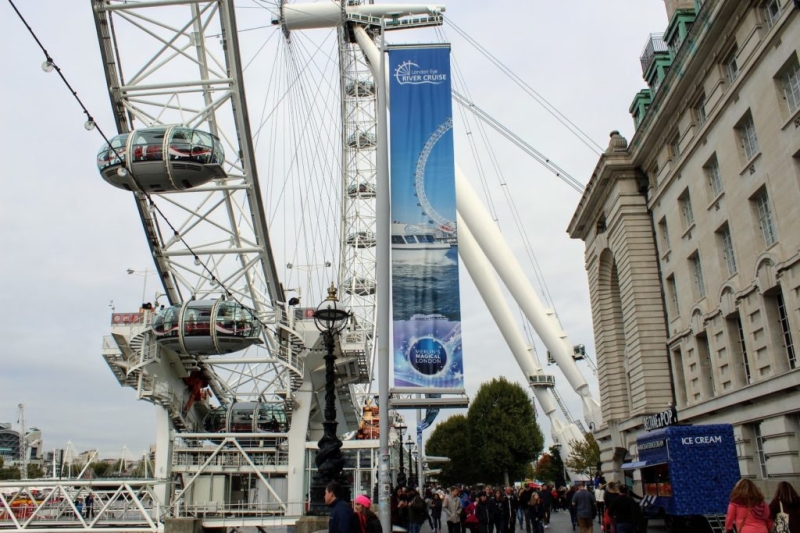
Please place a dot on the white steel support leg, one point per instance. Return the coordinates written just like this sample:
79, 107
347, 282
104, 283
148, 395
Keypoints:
483, 276
505, 263
507, 266
296, 497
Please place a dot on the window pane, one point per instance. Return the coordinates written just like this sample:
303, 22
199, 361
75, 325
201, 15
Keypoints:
747, 131
698, 276
727, 250
772, 11
765, 219
791, 86
714, 178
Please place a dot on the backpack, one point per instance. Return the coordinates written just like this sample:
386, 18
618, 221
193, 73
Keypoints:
781, 521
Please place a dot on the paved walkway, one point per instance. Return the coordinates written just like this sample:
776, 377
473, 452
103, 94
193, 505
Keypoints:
560, 523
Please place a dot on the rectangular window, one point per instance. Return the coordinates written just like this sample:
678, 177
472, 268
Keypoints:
765, 219
675, 145
664, 233
762, 458
672, 289
699, 110
685, 203
772, 12
731, 66
706, 366
697, 273
747, 136
726, 242
786, 330
790, 83
714, 177
745, 363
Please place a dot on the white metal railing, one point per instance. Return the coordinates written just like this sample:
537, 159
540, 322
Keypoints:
124, 505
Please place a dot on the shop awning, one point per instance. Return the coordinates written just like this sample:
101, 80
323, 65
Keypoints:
641, 464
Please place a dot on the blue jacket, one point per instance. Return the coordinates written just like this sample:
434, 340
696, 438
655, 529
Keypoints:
341, 517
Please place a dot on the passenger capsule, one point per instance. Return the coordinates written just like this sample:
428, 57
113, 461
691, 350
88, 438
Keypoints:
206, 327
247, 417
161, 159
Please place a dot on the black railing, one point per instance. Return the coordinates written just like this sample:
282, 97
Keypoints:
655, 45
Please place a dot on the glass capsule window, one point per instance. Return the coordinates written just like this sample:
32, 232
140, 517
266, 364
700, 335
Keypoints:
165, 323
113, 153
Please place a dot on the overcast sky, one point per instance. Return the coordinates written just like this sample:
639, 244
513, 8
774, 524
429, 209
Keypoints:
68, 237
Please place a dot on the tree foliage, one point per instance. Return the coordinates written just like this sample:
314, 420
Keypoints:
585, 456
9, 472
543, 470
101, 469
35, 471
451, 439
499, 437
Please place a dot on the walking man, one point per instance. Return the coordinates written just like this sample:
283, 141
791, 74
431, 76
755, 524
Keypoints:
584, 504
341, 513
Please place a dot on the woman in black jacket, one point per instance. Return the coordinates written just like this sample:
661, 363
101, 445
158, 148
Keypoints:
787, 498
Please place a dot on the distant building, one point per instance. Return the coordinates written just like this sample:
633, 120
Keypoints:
10, 443
692, 234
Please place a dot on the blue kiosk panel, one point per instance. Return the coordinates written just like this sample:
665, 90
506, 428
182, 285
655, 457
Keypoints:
688, 470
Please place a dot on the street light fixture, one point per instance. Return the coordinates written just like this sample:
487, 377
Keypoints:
410, 445
330, 319
401, 475
145, 274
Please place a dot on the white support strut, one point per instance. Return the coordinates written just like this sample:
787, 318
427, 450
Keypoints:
505, 263
488, 287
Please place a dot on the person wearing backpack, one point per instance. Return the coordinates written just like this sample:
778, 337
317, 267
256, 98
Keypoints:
786, 502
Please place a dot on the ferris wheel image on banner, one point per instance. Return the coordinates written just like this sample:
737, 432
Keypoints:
442, 223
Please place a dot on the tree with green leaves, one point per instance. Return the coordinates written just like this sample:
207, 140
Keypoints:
503, 431
35, 471
100, 469
451, 439
495, 443
585, 456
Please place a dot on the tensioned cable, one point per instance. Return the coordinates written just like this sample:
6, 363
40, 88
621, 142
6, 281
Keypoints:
544, 289
550, 108
519, 142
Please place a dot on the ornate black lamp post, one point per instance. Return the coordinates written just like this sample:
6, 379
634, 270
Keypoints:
411, 478
401, 475
330, 318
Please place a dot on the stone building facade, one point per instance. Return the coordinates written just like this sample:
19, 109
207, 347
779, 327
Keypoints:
692, 235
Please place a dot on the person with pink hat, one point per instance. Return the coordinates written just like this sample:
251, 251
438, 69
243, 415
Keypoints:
365, 521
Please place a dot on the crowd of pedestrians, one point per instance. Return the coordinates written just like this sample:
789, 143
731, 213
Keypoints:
527, 509
488, 509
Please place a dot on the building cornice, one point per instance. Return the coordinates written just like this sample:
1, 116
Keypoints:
614, 162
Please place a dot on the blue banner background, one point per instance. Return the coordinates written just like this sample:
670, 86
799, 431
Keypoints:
425, 294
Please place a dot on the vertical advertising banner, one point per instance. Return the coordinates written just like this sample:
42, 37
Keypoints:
426, 308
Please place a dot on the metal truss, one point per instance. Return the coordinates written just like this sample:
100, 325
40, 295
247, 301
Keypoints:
125, 505
179, 63
359, 219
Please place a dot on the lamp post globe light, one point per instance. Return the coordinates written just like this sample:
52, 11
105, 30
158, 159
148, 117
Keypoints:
330, 318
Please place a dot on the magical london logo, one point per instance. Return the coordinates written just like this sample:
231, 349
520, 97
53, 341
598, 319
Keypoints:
428, 356
409, 73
